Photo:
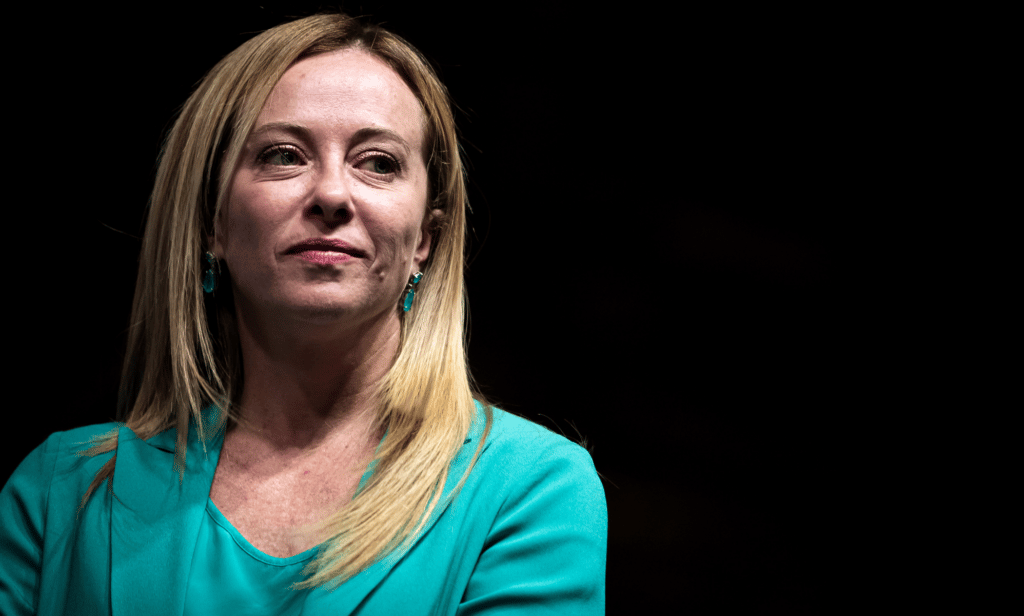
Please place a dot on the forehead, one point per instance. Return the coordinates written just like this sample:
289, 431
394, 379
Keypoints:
346, 89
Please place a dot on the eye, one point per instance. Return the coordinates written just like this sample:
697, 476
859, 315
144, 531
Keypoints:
280, 155
379, 164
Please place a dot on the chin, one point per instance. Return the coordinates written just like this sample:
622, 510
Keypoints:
326, 311
319, 306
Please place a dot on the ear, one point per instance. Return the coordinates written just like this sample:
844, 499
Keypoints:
213, 246
427, 231
213, 242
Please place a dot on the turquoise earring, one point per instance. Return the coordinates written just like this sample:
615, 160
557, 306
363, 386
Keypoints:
210, 275
410, 291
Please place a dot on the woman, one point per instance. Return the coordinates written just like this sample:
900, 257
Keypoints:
300, 431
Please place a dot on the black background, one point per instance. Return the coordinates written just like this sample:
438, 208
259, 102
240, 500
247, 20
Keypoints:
659, 253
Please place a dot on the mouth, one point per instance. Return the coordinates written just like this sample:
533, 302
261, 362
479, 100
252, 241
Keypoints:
325, 251
325, 245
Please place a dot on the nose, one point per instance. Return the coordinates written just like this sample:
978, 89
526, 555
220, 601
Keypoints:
332, 198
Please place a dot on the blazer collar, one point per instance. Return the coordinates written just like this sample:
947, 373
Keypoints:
155, 518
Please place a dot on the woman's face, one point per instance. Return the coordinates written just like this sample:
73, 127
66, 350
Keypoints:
326, 218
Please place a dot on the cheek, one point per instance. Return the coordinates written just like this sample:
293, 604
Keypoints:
396, 242
253, 219
246, 228
391, 244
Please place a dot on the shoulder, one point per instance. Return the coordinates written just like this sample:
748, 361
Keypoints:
69, 448
538, 515
521, 455
77, 440
515, 435
65, 445
60, 460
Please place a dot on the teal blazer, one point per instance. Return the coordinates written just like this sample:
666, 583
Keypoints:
527, 534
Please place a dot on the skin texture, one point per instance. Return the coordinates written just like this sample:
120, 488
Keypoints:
337, 153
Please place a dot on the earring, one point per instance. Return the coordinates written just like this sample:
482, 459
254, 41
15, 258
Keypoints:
410, 291
211, 273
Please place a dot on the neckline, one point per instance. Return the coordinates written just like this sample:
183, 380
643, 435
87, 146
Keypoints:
247, 547
221, 520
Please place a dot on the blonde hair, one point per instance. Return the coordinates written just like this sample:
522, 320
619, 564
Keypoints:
183, 352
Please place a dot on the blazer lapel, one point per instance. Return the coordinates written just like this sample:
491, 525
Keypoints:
155, 520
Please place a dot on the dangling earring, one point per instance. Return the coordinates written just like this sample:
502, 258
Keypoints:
211, 274
410, 291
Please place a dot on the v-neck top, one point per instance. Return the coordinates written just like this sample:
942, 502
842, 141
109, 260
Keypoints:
231, 576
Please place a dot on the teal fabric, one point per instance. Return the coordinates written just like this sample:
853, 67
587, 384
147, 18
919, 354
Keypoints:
230, 576
527, 534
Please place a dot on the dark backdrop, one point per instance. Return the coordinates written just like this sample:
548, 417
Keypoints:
656, 254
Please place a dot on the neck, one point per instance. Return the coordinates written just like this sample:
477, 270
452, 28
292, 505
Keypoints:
309, 385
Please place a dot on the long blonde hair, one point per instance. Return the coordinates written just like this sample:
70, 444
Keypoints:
183, 353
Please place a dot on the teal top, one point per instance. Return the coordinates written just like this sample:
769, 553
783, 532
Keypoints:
230, 576
526, 535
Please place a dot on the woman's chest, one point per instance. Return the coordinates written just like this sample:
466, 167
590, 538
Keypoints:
270, 506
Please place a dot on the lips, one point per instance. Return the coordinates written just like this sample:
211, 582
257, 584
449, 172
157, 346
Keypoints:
325, 245
325, 251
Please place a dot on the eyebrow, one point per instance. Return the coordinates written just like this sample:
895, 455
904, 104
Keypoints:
363, 134
287, 127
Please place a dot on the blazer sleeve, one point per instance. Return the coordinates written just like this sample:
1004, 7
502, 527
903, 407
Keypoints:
23, 503
547, 549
